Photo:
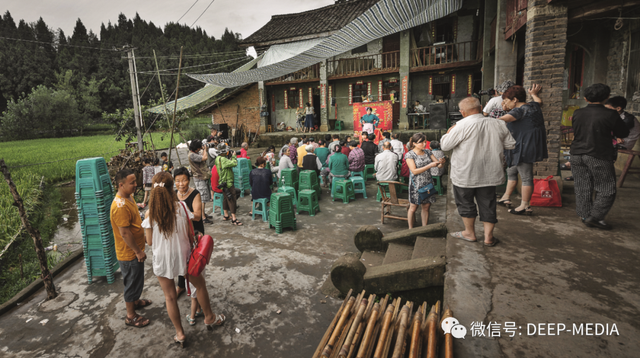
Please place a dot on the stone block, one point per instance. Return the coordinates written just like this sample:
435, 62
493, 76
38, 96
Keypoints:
408, 237
348, 273
369, 237
405, 275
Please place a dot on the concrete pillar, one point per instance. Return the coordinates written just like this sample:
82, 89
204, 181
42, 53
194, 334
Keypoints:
506, 54
544, 65
324, 84
488, 60
262, 94
405, 66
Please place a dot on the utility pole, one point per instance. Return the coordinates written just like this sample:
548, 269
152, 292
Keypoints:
136, 96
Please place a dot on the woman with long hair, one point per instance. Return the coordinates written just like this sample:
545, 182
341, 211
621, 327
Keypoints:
167, 231
420, 160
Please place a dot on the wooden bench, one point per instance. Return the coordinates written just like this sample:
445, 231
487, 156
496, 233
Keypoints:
632, 154
390, 200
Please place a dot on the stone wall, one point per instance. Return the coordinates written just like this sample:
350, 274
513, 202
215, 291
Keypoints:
546, 39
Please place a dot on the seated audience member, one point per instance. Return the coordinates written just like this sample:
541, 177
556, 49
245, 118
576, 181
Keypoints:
619, 104
311, 161
322, 152
345, 148
260, 180
285, 162
338, 166
313, 143
386, 137
243, 150
302, 151
356, 158
370, 150
386, 164
293, 150
336, 141
397, 146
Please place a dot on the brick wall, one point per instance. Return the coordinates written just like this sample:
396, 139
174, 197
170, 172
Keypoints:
546, 38
243, 109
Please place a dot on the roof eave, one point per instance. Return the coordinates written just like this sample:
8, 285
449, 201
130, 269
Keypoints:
287, 40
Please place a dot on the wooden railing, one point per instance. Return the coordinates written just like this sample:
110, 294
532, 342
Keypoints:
311, 73
364, 65
444, 54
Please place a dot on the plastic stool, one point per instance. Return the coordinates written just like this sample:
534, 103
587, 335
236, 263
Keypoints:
358, 174
264, 211
369, 170
218, 199
343, 189
308, 201
386, 189
338, 125
291, 191
437, 183
359, 186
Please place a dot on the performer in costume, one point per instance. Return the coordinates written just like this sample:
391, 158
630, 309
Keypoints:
369, 121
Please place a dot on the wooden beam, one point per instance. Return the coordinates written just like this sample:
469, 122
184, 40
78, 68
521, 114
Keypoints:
599, 8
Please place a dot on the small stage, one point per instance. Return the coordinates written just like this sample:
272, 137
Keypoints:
278, 139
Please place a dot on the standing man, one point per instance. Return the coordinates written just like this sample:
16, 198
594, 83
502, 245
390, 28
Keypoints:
477, 143
386, 164
593, 154
201, 175
130, 243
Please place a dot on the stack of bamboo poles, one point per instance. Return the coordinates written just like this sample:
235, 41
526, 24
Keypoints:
364, 328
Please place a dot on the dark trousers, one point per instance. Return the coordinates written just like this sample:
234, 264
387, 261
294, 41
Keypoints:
485, 197
591, 174
229, 201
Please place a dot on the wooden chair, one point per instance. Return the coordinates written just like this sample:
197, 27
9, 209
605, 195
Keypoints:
631, 155
391, 199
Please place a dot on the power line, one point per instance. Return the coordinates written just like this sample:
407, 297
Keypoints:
205, 10
176, 57
56, 44
203, 65
187, 11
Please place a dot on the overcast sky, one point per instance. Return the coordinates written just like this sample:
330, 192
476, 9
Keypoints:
243, 16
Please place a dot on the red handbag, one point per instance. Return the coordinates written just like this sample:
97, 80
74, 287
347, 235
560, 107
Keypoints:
200, 254
546, 193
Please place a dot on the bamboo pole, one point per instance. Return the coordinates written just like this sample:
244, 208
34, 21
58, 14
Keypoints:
368, 333
164, 105
386, 323
392, 333
361, 326
175, 108
334, 336
35, 234
327, 334
448, 339
402, 329
383, 307
414, 350
354, 327
430, 334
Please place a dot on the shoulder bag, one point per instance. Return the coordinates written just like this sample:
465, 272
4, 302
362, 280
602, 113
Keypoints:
425, 192
200, 254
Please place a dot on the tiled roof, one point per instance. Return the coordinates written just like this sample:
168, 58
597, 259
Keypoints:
306, 24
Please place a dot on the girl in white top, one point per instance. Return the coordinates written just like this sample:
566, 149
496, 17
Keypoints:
167, 231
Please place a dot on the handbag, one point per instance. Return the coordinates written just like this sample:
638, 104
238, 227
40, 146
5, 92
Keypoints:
425, 192
546, 193
200, 254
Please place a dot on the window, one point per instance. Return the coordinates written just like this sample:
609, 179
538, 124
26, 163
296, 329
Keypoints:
360, 49
576, 71
359, 92
293, 98
442, 87
444, 30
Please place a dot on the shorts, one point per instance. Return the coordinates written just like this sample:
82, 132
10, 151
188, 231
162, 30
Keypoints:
147, 187
133, 277
526, 173
484, 196
203, 189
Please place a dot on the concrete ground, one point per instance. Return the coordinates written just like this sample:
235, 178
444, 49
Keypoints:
550, 268
254, 273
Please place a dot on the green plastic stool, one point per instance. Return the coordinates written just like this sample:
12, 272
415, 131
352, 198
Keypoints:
264, 209
386, 189
343, 190
308, 201
308, 180
338, 125
218, 199
290, 177
437, 183
359, 186
369, 170
291, 191
358, 174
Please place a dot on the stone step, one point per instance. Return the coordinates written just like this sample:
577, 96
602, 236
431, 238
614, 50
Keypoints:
372, 258
428, 247
397, 253
405, 275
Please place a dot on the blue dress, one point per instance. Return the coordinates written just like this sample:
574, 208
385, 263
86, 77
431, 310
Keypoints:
530, 134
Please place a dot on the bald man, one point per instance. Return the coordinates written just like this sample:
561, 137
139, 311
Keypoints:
477, 143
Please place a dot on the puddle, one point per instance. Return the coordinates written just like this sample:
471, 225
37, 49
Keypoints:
68, 237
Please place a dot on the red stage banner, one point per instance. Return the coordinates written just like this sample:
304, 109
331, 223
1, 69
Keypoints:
384, 111
405, 91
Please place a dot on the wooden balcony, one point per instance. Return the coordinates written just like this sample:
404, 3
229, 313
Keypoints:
446, 56
309, 74
387, 62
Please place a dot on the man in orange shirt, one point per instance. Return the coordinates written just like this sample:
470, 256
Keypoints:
130, 243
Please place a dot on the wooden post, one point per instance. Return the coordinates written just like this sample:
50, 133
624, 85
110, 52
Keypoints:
175, 107
37, 240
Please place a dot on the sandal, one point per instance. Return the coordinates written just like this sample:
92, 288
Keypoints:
526, 211
458, 235
137, 321
141, 303
236, 222
225, 218
178, 341
220, 319
505, 202
494, 243
192, 321
199, 313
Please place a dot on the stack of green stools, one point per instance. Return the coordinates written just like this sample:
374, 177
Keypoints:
369, 170
94, 194
290, 177
359, 186
342, 189
308, 201
241, 178
309, 181
281, 213
289, 190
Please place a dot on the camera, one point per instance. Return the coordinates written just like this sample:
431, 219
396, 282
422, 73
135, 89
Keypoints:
222, 186
488, 92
